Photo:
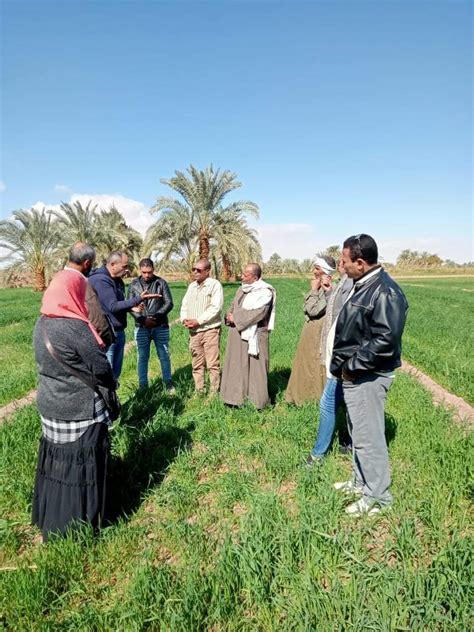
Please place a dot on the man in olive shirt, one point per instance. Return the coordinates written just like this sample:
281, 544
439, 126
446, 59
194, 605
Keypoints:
201, 313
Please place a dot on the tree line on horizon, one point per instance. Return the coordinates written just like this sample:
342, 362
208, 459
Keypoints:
194, 225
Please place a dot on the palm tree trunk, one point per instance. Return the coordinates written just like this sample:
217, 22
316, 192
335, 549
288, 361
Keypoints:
40, 279
226, 271
203, 244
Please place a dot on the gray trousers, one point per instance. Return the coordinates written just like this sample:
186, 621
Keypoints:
365, 402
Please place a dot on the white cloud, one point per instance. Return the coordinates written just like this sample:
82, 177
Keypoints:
39, 206
62, 188
290, 241
136, 214
3, 186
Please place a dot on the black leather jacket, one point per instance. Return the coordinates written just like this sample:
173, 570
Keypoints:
369, 328
156, 308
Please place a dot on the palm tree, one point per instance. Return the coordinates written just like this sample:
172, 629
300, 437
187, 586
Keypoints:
274, 264
32, 238
234, 243
78, 223
407, 258
202, 194
172, 236
331, 251
113, 233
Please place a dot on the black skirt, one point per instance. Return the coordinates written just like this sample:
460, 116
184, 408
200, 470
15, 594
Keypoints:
70, 482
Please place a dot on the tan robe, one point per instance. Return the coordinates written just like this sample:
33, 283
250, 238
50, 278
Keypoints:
245, 376
308, 375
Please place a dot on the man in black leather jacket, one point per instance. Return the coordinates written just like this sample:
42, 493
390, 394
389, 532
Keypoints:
151, 322
366, 352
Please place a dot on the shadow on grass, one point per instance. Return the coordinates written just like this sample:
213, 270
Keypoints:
344, 437
145, 442
390, 428
278, 381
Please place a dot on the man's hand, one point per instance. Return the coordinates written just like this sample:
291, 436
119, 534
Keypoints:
326, 282
150, 322
229, 318
138, 309
190, 323
144, 295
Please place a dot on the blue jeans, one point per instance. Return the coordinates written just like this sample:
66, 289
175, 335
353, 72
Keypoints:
161, 337
115, 353
328, 405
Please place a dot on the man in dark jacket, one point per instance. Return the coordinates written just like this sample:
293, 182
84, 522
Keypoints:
366, 351
107, 281
151, 324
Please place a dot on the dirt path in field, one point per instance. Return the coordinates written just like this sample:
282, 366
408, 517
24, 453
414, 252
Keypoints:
12, 407
463, 413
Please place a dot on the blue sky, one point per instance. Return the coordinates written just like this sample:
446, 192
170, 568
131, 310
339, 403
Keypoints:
338, 117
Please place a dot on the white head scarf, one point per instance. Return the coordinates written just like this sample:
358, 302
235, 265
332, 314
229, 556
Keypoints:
324, 265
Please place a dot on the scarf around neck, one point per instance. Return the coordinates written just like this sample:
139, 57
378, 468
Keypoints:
65, 297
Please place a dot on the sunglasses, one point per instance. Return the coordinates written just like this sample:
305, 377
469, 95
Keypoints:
361, 248
197, 269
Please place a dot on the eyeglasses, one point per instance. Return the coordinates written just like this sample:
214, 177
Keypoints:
197, 269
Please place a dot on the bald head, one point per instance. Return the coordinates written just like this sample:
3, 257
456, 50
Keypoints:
251, 273
81, 252
117, 264
204, 263
201, 270
81, 257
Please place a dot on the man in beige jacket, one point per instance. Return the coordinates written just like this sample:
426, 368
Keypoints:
201, 314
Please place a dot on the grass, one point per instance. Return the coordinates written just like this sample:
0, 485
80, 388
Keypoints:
219, 527
439, 336
18, 313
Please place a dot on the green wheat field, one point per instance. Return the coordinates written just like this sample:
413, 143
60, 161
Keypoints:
216, 523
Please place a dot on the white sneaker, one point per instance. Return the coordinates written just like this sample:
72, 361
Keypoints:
348, 487
363, 507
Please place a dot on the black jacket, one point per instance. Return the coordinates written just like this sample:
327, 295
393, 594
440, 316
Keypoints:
112, 297
156, 308
370, 327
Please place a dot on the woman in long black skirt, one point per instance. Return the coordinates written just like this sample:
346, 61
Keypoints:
75, 379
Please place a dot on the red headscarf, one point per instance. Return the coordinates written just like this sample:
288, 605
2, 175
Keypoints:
66, 298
